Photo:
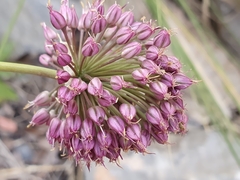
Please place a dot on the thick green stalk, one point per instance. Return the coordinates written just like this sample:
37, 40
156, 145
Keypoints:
27, 69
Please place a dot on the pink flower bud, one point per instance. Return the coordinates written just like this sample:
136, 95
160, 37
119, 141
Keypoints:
45, 59
95, 87
170, 64
130, 50
107, 99
105, 139
40, 117
126, 19
96, 114
86, 20
65, 11
90, 47
152, 53
160, 137
64, 95
167, 108
148, 43
134, 132
77, 86
155, 117
64, 59
144, 31
181, 81
57, 20
167, 79
162, 39
118, 83
71, 108
74, 123
110, 31
128, 111
116, 124
173, 125
113, 14
49, 47
141, 75
76, 144
54, 128
159, 89
87, 131
64, 131
62, 76
61, 48
42, 99
151, 66
49, 34
74, 21
99, 24
124, 35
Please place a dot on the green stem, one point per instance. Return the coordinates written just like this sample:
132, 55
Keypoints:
27, 69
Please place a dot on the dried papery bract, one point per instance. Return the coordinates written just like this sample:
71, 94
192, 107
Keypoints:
117, 88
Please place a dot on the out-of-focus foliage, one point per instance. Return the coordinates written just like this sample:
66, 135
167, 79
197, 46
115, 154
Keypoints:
6, 48
202, 41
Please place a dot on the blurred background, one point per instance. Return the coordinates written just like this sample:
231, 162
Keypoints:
206, 39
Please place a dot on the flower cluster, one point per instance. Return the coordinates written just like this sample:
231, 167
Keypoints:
117, 89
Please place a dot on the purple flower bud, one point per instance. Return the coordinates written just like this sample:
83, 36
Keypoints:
116, 124
99, 153
159, 89
144, 31
64, 131
88, 145
64, 95
118, 83
124, 35
141, 75
63, 59
77, 86
96, 114
99, 24
126, 19
49, 47
107, 99
148, 43
181, 81
74, 21
113, 14
65, 11
40, 117
45, 59
62, 76
154, 116
87, 130
41, 99
71, 108
134, 132
85, 20
167, 108
178, 102
61, 48
130, 50
151, 66
49, 34
105, 139
170, 64
167, 79
110, 32
128, 111
162, 39
74, 123
173, 125
54, 128
145, 138
76, 144
152, 53
160, 137
124, 143
95, 87
90, 47
57, 20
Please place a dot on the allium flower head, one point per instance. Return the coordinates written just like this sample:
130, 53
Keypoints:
117, 88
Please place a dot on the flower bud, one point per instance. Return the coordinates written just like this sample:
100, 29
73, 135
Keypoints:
167, 108
57, 20
126, 19
87, 131
63, 59
74, 21
170, 64
96, 114
162, 39
130, 50
113, 14
159, 89
124, 35
49, 34
90, 47
71, 108
40, 117
62, 76
134, 132
107, 99
144, 31
74, 123
117, 83
64, 95
152, 53
141, 75
77, 86
116, 124
151, 66
49, 47
64, 131
104, 138
128, 111
45, 59
167, 79
95, 87
61, 48
181, 81
54, 128
99, 24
